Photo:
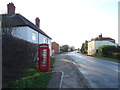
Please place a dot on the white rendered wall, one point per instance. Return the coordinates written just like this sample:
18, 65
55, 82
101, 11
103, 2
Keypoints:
50, 46
91, 47
20, 32
25, 33
94, 45
101, 43
30, 31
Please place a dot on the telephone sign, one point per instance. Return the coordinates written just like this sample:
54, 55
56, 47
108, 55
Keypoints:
43, 57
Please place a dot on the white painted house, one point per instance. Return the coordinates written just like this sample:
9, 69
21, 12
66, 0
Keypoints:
23, 28
95, 43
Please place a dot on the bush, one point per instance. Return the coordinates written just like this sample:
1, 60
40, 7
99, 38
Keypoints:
116, 55
107, 50
17, 55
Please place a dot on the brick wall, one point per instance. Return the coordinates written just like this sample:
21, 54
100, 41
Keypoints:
55, 47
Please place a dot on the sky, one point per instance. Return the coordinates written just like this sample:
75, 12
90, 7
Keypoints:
70, 21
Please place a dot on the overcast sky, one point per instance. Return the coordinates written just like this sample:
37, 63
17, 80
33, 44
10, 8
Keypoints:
70, 21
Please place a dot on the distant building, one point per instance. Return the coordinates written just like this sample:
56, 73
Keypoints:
95, 43
55, 48
23, 28
64, 48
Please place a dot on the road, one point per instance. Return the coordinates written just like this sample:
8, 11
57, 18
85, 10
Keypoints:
65, 74
98, 73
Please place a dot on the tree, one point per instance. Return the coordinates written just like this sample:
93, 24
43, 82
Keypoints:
72, 48
84, 47
66, 47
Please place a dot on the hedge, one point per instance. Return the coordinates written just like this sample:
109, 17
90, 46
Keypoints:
17, 55
107, 50
116, 55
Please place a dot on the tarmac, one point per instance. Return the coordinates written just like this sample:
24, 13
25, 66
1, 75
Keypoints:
66, 74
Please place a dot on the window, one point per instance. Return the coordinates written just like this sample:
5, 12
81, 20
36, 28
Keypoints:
34, 36
44, 40
47, 41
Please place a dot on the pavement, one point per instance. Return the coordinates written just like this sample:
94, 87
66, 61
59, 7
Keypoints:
66, 74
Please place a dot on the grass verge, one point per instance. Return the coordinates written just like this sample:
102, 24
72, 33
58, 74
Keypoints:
32, 78
105, 58
52, 62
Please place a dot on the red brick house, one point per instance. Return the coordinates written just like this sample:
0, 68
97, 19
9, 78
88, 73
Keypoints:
55, 48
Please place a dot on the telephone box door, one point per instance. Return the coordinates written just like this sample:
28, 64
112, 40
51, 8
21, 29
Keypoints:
43, 57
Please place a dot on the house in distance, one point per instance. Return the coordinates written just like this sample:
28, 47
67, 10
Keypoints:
55, 48
23, 28
95, 43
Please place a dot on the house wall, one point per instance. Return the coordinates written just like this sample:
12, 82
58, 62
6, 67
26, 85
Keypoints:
29, 34
44, 39
20, 32
41, 38
55, 47
50, 46
94, 45
91, 48
101, 43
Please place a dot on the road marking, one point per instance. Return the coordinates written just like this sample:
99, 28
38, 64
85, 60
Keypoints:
61, 79
77, 64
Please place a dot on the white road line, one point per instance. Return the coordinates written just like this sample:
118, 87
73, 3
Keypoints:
61, 79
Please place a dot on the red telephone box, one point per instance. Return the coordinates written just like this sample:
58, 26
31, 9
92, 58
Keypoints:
43, 57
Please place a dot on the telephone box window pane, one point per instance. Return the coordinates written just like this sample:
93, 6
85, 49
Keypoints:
44, 50
43, 58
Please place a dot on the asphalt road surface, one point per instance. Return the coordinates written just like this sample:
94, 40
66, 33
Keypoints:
99, 73
66, 74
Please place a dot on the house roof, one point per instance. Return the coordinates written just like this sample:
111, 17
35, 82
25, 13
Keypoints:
17, 20
102, 38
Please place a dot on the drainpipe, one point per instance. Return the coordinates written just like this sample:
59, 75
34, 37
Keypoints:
38, 38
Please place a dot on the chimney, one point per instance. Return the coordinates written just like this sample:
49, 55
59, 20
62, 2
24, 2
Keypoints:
37, 21
10, 8
100, 36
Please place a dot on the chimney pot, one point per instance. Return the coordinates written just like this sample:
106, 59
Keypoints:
100, 36
37, 21
10, 8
